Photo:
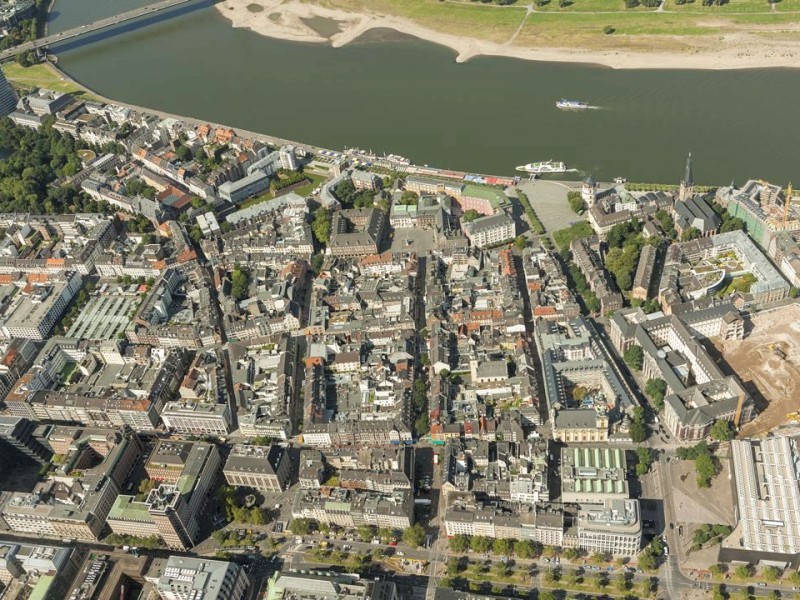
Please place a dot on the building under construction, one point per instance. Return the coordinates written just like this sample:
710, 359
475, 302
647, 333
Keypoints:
765, 208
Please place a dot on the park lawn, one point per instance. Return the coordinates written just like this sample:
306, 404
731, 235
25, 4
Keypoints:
316, 180
633, 30
484, 21
590, 6
733, 6
784, 18
41, 76
256, 200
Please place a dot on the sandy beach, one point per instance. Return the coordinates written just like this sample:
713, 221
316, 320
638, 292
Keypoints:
284, 19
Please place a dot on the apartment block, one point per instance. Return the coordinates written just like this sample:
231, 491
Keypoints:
352, 508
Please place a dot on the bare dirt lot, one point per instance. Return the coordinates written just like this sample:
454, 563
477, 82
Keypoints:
695, 505
758, 362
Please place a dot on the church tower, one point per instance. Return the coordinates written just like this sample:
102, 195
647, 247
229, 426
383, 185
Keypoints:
686, 190
589, 191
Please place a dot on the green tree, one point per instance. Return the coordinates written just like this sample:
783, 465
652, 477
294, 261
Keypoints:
321, 226
770, 574
523, 549
706, 469
648, 587
480, 543
634, 357
592, 302
717, 570
638, 432
622, 263
722, 431
575, 201
459, 543
520, 242
366, 532
453, 566
571, 553
409, 198
647, 562
503, 547
621, 583
240, 283
301, 526
414, 535
546, 595
601, 580
656, 389
690, 234
743, 594
743, 572
470, 215
196, 234
501, 569
717, 593
257, 516
644, 460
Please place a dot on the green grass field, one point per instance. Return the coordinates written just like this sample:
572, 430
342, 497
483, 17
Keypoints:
580, 25
41, 76
488, 22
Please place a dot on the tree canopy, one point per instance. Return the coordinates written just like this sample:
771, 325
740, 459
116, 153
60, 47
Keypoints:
634, 357
240, 283
33, 160
414, 535
722, 431
321, 226
656, 390
470, 215
351, 198
644, 460
575, 201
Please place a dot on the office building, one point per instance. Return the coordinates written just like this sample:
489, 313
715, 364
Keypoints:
264, 468
611, 527
8, 98
197, 418
20, 434
187, 578
250, 185
171, 510
491, 230
308, 585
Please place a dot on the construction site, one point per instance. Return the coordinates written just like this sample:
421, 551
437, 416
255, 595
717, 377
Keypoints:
767, 361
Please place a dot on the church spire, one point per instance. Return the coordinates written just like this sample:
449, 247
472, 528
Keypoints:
686, 191
688, 176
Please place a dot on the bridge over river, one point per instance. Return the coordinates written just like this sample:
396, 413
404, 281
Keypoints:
44, 42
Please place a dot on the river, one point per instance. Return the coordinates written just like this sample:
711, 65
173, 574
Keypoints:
392, 93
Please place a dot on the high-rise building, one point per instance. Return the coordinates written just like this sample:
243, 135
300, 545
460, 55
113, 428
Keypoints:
8, 98
20, 433
173, 509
